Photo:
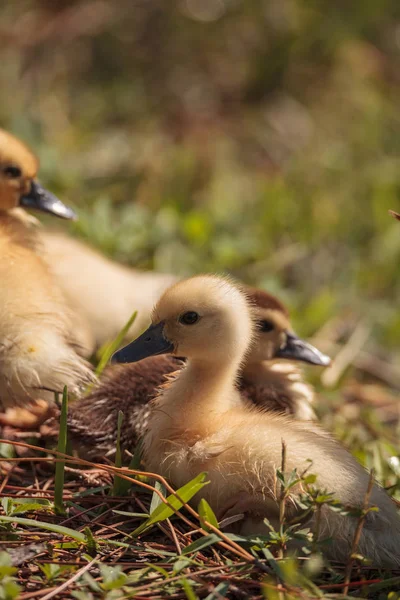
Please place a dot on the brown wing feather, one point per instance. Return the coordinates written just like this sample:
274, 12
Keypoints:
92, 421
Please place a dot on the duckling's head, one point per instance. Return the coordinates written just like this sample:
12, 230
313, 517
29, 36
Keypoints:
274, 337
18, 186
204, 318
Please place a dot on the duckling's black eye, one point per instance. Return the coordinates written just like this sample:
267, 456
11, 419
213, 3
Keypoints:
265, 326
12, 172
189, 318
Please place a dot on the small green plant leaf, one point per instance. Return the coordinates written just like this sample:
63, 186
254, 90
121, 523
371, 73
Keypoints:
164, 511
155, 499
9, 589
6, 504
7, 450
21, 508
113, 577
181, 564
5, 560
200, 544
5, 571
14, 506
309, 479
52, 570
207, 514
6, 563
109, 349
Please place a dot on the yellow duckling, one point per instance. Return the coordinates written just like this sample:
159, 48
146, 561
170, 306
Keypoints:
100, 291
38, 350
199, 422
271, 379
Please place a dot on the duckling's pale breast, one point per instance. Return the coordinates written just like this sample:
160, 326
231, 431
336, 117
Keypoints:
179, 454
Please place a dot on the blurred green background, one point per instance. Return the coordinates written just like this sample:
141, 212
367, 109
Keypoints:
256, 137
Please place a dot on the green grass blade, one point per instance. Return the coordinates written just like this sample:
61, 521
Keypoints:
61, 447
202, 543
75, 535
91, 544
118, 456
117, 487
114, 345
134, 465
137, 457
187, 588
61, 530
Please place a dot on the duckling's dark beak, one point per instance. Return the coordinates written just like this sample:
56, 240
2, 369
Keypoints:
297, 349
41, 199
150, 343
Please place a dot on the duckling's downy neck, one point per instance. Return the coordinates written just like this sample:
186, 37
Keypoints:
202, 388
20, 228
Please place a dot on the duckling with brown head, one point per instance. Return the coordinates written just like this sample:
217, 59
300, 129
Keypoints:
18, 183
199, 422
38, 349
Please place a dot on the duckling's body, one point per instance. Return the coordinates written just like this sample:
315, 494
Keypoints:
38, 350
241, 452
270, 384
102, 292
199, 422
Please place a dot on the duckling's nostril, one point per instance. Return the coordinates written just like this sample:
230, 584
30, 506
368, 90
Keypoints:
148, 339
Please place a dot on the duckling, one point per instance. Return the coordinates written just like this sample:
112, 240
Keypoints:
82, 273
266, 380
38, 348
199, 422
18, 183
